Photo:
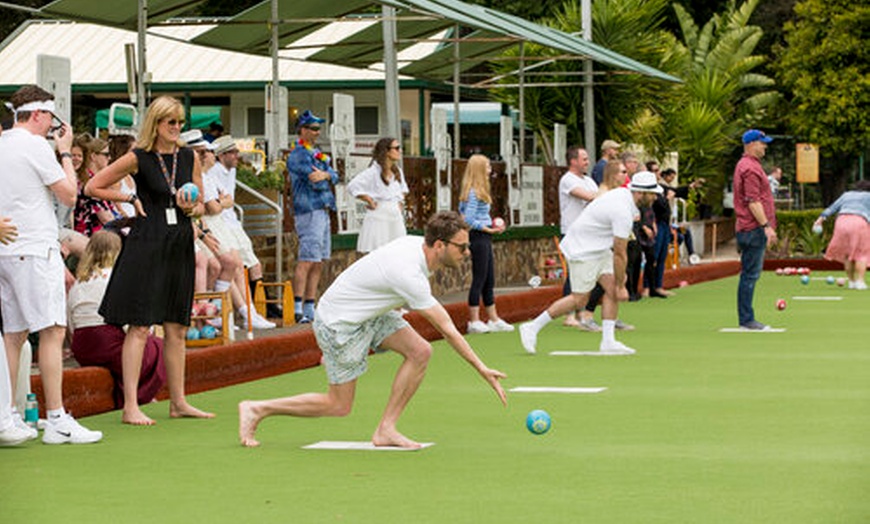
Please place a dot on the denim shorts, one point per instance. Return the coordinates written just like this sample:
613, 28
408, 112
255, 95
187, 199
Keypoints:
315, 239
345, 346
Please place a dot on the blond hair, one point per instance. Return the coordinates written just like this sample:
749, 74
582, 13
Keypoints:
476, 177
161, 108
102, 250
613, 176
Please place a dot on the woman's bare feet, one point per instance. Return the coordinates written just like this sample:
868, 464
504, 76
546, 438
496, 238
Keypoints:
185, 410
135, 417
248, 420
390, 437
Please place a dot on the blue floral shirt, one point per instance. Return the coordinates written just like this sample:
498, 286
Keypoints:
308, 196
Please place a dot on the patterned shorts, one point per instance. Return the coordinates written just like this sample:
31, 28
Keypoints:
346, 346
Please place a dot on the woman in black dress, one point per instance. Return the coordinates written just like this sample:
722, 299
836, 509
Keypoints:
152, 281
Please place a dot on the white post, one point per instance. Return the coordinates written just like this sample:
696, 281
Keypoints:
272, 109
391, 73
142, 101
457, 142
588, 93
522, 148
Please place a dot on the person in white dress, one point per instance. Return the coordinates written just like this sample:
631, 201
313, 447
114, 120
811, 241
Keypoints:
382, 187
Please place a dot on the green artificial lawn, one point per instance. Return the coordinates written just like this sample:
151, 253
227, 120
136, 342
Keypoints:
698, 427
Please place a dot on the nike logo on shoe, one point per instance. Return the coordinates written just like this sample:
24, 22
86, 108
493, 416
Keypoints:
66, 434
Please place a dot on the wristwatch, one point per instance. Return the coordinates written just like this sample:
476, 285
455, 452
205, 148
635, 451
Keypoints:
133, 198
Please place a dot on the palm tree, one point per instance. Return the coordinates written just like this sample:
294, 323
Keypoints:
629, 27
722, 95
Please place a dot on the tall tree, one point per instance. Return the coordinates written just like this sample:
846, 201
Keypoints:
723, 93
825, 66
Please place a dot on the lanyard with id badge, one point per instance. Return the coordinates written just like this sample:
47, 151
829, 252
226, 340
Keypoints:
171, 215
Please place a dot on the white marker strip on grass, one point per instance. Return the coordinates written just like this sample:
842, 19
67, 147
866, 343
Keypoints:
586, 354
742, 330
360, 446
537, 389
822, 298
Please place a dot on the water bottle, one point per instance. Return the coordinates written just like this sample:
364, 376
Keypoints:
31, 410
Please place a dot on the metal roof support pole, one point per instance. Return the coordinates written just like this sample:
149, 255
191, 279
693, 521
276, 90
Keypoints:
457, 141
273, 133
391, 73
522, 148
142, 96
588, 93
274, 146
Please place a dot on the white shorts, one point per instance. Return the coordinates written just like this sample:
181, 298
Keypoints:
32, 292
585, 273
232, 236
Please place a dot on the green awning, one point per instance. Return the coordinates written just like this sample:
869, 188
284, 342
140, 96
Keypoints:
249, 31
200, 117
117, 14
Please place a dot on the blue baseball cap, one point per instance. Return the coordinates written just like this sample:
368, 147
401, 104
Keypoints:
307, 118
754, 135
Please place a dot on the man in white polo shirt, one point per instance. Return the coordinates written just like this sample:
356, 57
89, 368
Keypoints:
32, 287
595, 248
358, 312
576, 190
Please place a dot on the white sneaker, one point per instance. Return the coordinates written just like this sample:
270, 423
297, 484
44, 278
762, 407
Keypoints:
477, 327
13, 435
499, 325
19, 423
65, 430
860, 284
616, 348
528, 337
261, 323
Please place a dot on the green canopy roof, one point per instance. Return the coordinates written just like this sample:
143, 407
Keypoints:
249, 31
200, 117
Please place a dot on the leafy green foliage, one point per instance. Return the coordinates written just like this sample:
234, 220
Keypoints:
825, 67
271, 178
723, 94
794, 229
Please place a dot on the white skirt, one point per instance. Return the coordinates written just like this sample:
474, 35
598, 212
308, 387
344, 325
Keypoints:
380, 226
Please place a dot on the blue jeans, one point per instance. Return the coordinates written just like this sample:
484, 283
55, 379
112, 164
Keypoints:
752, 245
663, 241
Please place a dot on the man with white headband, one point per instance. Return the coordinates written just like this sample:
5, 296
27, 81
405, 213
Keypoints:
32, 289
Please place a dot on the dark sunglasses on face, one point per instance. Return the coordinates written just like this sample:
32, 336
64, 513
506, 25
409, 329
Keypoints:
462, 247
313, 128
174, 122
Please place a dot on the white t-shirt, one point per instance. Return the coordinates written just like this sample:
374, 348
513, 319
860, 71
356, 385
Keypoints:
368, 182
27, 168
570, 206
218, 180
609, 215
388, 277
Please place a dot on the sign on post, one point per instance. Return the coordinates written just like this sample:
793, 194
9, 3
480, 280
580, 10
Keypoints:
532, 196
443, 151
53, 75
807, 156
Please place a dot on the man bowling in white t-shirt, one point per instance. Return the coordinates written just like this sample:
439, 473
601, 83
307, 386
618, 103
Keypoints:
358, 312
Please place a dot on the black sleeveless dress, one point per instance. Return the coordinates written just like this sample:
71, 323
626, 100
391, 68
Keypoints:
152, 281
